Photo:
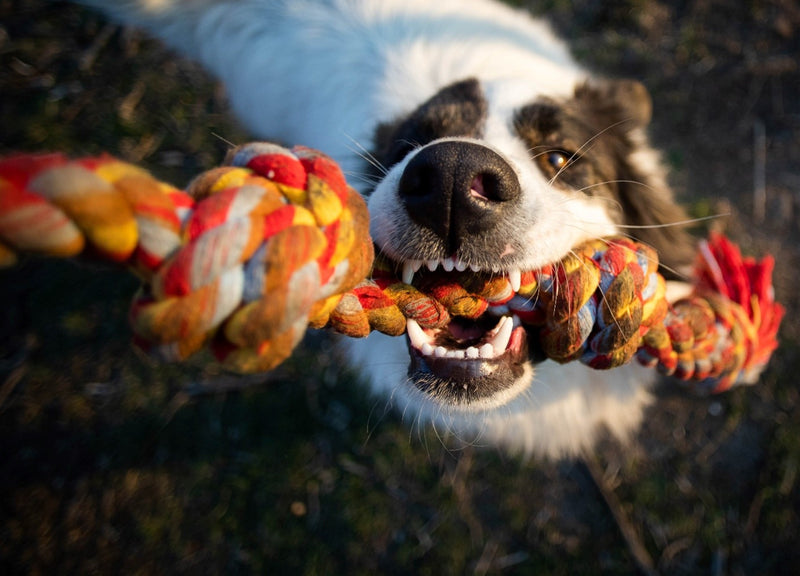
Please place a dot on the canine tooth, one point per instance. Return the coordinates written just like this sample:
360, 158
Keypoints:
427, 349
432, 264
500, 340
461, 265
499, 326
472, 352
409, 268
486, 351
515, 277
415, 333
448, 264
440, 351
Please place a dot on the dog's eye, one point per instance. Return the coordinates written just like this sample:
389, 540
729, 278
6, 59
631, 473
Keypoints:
554, 162
558, 160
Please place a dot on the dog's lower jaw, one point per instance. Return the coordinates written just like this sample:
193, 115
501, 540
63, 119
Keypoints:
551, 410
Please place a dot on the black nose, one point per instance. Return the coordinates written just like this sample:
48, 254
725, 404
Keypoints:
458, 190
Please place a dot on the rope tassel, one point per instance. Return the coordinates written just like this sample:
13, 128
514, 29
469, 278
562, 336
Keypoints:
254, 252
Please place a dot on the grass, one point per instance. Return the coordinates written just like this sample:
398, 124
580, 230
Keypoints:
114, 463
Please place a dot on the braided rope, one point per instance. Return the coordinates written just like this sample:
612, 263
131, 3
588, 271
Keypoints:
241, 262
255, 251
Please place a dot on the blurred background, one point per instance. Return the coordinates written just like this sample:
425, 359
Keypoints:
111, 462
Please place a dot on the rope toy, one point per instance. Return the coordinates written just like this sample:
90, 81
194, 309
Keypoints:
241, 261
254, 252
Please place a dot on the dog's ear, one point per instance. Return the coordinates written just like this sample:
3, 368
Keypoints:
621, 110
633, 100
627, 102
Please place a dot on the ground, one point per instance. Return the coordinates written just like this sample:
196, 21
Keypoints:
115, 463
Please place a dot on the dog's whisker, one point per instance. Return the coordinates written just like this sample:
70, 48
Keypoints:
687, 222
670, 269
586, 146
372, 425
621, 181
609, 242
223, 139
360, 150
546, 148
361, 177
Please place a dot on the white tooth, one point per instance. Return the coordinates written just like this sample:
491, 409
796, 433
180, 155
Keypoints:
448, 264
515, 277
474, 267
409, 267
415, 333
432, 264
454, 354
427, 349
486, 351
440, 351
472, 352
499, 326
461, 265
500, 340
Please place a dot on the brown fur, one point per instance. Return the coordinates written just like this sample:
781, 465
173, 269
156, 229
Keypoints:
599, 129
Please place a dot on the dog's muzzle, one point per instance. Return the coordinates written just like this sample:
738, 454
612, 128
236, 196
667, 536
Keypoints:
461, 196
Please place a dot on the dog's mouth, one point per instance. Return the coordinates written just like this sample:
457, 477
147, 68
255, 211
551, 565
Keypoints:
465, 363
468, 361
485, 339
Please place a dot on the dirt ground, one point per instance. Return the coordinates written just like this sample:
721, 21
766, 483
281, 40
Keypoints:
114, 463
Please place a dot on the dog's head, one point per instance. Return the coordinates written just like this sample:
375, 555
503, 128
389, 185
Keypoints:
473, 183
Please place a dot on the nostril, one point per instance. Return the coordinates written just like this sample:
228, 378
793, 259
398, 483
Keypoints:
489, 187
476, 189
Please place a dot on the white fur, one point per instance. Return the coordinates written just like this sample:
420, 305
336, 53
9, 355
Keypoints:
324, 73
559, 413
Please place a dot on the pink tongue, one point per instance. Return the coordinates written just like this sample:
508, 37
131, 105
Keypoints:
515, 342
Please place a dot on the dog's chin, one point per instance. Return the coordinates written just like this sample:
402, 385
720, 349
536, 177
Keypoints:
470, 365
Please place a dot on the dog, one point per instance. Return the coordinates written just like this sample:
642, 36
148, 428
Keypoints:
480, 145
